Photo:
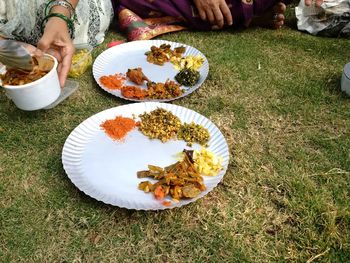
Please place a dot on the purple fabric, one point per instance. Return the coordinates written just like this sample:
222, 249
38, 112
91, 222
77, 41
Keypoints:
242, 10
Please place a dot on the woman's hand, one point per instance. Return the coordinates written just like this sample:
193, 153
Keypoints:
215, 11
57, 42
318, 2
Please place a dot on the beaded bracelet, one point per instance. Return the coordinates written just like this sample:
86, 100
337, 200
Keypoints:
63, 3
65, 18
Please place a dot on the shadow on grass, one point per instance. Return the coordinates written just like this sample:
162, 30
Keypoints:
333, 86
80, 199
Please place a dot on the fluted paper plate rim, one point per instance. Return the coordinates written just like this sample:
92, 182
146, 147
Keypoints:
102, 62
74, 147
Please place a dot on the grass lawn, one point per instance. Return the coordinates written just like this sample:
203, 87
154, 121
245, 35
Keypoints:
285, 196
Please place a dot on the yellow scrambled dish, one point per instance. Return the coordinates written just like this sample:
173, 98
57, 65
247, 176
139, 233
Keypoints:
189, 62
206, 162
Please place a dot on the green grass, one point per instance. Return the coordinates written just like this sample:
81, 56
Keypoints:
284, 198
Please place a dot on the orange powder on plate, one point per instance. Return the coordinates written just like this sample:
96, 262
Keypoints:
113, 82
119, 127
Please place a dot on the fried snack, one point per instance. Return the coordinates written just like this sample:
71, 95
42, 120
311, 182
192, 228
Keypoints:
179, 180
16, 77
166, 90
163, 54
133, 92
136, 75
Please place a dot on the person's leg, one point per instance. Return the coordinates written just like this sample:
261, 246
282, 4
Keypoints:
273, 17
266, 13
183, 12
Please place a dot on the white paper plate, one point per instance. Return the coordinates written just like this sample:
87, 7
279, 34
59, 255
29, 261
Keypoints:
106, 170
119, 59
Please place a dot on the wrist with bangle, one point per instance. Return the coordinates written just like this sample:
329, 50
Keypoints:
65, 4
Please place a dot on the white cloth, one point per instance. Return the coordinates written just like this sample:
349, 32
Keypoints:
316, 19
21, 20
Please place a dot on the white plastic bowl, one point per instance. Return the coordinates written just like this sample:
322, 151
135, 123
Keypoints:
37, 94
345, 81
